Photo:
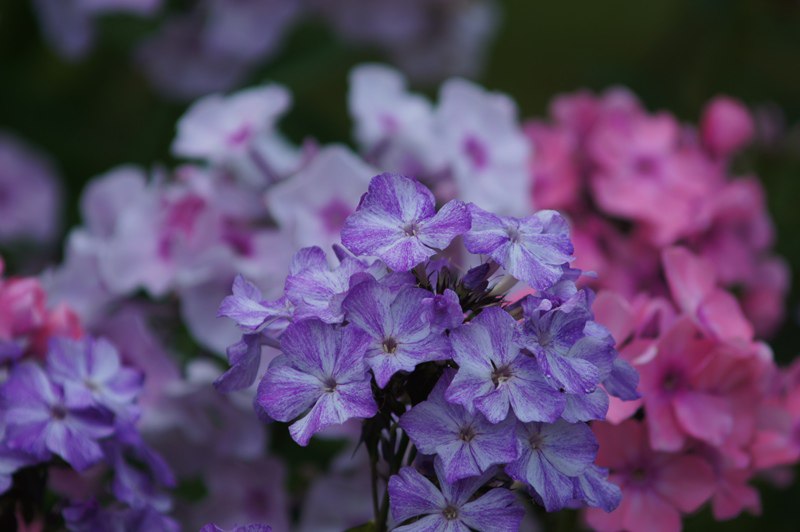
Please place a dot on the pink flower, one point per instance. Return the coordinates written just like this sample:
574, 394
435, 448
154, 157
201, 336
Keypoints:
726, 126
656, 487
555, 175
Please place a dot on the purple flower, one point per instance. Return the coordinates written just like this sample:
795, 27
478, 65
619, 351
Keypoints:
245, 358
443, 311
400, 336
42, 418
321, 376
466, 443
532, 249
316, 290
248, 308
92, 368
573, 351
550, 455
449, 508
397, 221
494, 373
89, 516
592, 487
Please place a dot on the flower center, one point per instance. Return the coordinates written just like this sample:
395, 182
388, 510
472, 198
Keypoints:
513, 234
466, 434
450, 513
329, 385
389, 346
411, 229
58, 412
476, 152
536, 441
501, 375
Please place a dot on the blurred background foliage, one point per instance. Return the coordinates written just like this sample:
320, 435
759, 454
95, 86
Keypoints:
674, 54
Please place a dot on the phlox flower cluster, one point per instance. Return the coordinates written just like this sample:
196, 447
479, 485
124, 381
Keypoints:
634, 182
715, 410
213, 45
68, 413
440, 366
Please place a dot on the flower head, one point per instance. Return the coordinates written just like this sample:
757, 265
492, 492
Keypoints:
397, 221
320, 378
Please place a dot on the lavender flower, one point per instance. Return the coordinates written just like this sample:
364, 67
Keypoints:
466, 443
494, 374
574, 351
92, 368
42, 418
397, 222
321, 371
532, 249
247, 307
399, 337
550, 454
316, 290
449, 507
256, 527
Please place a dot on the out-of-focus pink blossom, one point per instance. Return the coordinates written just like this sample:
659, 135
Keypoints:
726, 126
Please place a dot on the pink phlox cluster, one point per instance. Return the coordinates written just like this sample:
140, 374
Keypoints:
635, 182
714, 403
27, 322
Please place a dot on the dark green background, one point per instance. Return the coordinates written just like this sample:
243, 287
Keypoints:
675, 54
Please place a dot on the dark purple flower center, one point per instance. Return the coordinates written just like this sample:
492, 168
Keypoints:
466, 434
501, 375
476, 151
389, 346
58, 412
90, 384
329, 385
450, 513
536, 441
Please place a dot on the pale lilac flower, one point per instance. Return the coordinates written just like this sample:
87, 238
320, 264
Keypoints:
485, 147
217, 127
393, 126
320, 376
494, 374
398, 222
592, 487
247, 307
338, 178
550, 455
466, 443
315, 289
92, 368
399, 336
532, 249
449, 507
41, 418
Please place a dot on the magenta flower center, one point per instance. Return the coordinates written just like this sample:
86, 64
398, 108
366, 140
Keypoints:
476, 151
